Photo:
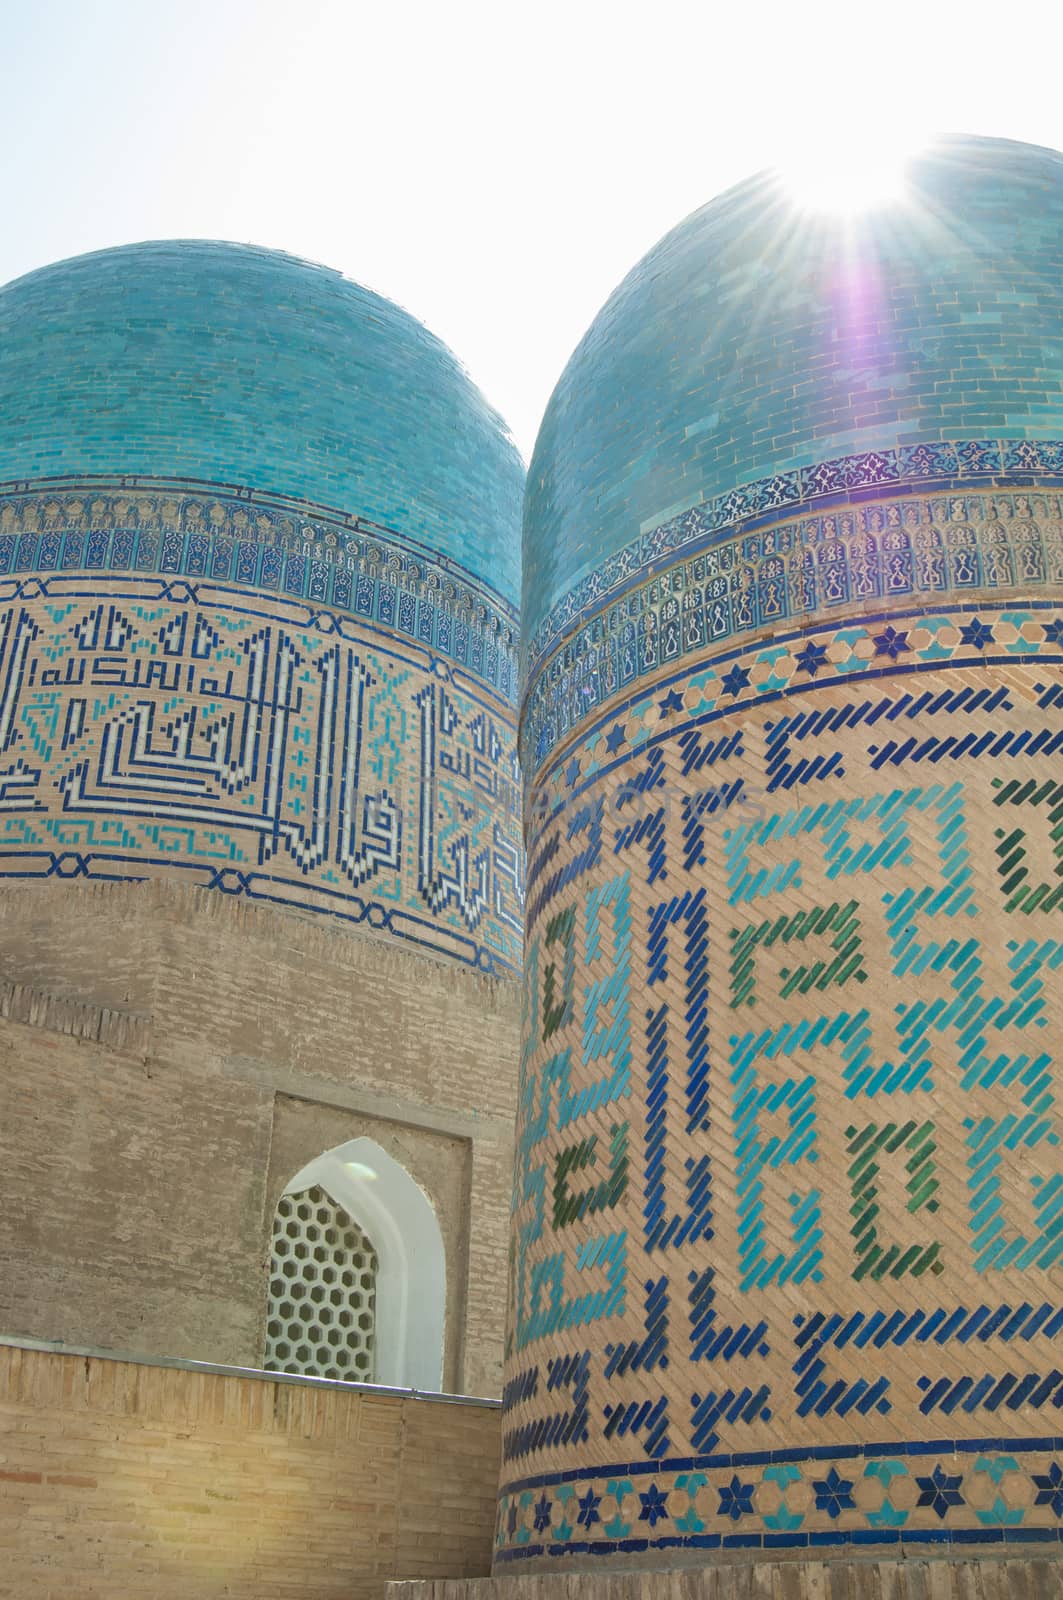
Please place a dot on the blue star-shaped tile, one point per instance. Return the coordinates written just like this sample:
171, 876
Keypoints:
976, 633
615, 738
940, 1491
893, 642
588, 1509
572, 772
1054, 631
812, 657
673, 701
654, 1506
734, 681
736, 1499
1050, 1488
833, 1494
542, 1515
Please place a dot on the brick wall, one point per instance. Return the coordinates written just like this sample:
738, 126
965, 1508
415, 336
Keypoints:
170, 1059
128, 1480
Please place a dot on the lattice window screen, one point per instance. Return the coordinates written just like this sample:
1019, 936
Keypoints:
322, 1291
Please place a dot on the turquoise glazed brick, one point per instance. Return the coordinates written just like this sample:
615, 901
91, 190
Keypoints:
238, 365
753, 341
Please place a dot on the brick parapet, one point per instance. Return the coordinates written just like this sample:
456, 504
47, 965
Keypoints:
125, 1480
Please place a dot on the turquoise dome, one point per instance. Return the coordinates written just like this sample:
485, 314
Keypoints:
754, 340
233, 364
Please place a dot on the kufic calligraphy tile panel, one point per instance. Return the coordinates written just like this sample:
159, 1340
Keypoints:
257, 746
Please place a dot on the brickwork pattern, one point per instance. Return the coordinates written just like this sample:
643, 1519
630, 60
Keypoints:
786, 1234
153, 1484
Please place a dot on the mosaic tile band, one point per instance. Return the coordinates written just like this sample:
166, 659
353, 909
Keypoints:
957, 465
963, 1492
260, 746
788, 1174
271, 544
902, 642
884, 551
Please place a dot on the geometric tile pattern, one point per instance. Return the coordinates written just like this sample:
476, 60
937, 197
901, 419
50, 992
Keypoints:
788, 1207
948, 1493
261, 746
900, 553
321, 1312
272, 544
904, 644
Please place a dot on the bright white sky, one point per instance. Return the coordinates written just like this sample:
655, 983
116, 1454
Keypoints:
494, 167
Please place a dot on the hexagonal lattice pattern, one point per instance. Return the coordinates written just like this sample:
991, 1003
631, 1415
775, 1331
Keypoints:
322, 1291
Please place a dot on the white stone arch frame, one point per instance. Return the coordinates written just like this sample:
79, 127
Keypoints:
411, 1283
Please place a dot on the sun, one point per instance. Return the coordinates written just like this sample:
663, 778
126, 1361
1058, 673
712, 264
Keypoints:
847, 172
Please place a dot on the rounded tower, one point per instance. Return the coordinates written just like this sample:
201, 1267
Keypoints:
260, 858
787, 1218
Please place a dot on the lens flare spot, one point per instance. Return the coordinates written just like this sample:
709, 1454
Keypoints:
846, 175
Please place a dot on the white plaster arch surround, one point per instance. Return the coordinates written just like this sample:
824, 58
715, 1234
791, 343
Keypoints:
379, 1194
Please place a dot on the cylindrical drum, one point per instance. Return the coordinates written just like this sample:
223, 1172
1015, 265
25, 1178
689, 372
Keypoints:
788, 1212
260, 860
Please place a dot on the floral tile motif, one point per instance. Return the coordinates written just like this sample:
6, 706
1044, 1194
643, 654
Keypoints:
949, 464
863, 557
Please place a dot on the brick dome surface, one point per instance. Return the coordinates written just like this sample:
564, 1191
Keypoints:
755, 341
233, 364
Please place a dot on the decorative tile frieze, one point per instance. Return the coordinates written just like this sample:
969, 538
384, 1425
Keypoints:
269, 544
863, 558
965, 1492
818, 507
260, 746
900, 643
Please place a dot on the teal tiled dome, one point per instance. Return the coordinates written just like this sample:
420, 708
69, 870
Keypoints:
754, 341
231, 364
